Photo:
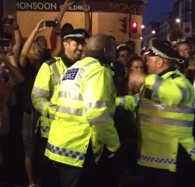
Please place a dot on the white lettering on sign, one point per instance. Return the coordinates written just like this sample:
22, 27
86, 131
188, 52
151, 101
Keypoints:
36, 6
123, 7
77, 7
46, 6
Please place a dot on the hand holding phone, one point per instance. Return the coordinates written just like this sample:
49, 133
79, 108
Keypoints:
7, 21
4, 73
51, 23
4, 43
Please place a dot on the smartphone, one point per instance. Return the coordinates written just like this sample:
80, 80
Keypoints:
4, 43
51, 23
4, 74
8, 21
6, 77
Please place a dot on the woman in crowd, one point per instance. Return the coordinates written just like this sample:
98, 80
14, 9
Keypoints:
9, 76
186, 50
42, 42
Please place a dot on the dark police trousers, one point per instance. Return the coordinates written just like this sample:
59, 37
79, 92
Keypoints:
71, 176
184, 177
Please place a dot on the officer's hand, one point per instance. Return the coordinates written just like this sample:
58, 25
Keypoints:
136, 79
112, 155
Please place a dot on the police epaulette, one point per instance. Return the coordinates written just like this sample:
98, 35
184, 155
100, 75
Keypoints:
51, 61
104, 64
174, 76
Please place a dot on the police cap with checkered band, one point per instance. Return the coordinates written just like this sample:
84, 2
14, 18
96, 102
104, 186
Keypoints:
77, 35
162, 50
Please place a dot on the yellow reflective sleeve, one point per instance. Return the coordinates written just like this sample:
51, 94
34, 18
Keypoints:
99, 98
128, 102
41, 90
53, 101
168, 91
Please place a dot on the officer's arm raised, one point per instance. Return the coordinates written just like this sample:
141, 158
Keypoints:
100, 105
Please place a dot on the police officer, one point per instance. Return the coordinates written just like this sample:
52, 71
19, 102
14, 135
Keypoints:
165, 115
43, 95
83, 121
49, 75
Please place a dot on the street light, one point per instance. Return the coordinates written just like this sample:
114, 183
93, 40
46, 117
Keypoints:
142, 26
153, 32
141, 38
178, 20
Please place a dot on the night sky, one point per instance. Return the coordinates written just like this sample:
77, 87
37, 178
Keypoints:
156, 8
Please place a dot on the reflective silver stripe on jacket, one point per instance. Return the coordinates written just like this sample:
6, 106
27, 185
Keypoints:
70, 95
45, 94
41, 105
39, 92
100, 119
184, 93
157, 83
97, 104
157, 160
69, 153
70, 111
51, 105
81, 112
161, 107
73, 94
55, 73
165, 121
51, 114
136, 98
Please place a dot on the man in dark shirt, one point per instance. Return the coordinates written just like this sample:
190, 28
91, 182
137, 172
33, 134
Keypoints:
29, 71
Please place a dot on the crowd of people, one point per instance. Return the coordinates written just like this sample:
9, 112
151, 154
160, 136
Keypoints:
91, 103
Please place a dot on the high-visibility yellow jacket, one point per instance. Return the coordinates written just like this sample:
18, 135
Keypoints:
85, 106
194, 92
165, 115
43, 90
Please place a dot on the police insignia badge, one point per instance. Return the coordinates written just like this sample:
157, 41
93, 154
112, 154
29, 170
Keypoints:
70, 74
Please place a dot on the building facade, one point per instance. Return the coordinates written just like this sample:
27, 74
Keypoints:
152, 30
164, 33
178, 23
105, 17
174, 16
188, 14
